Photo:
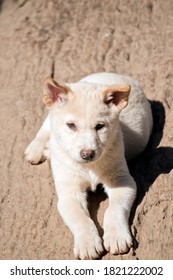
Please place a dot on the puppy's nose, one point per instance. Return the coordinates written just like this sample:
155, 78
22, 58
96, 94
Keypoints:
87, 154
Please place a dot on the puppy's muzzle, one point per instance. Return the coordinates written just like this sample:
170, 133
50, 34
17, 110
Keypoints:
87, 154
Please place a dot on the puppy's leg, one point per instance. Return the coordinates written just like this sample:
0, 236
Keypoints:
117, 236
38, 149
73, 209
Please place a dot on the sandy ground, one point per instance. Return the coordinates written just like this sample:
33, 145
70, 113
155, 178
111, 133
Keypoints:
77, 38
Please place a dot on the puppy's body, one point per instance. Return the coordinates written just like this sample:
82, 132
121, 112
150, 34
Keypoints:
88, 130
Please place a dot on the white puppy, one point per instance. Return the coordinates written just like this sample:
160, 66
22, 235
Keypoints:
91, 126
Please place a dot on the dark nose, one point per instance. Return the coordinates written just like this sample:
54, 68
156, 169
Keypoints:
87, 154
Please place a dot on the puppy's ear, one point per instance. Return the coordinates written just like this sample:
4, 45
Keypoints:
52, 92
117, 95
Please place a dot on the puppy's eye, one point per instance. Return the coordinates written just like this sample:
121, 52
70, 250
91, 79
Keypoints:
72, 126
99, 126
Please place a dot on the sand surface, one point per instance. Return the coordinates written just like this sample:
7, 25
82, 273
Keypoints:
76, 38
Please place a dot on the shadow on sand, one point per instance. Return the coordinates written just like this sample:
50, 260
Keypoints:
153, 161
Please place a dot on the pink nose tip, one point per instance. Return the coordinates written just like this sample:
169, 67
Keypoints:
87, 154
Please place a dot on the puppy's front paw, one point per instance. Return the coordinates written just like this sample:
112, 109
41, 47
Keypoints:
88, 246
117, 242
34, 152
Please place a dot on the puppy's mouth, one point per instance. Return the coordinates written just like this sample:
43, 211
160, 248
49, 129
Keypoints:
87, 161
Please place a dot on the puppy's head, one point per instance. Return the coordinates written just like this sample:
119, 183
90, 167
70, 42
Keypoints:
84, 116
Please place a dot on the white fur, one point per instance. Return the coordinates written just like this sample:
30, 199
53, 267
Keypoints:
129, 129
